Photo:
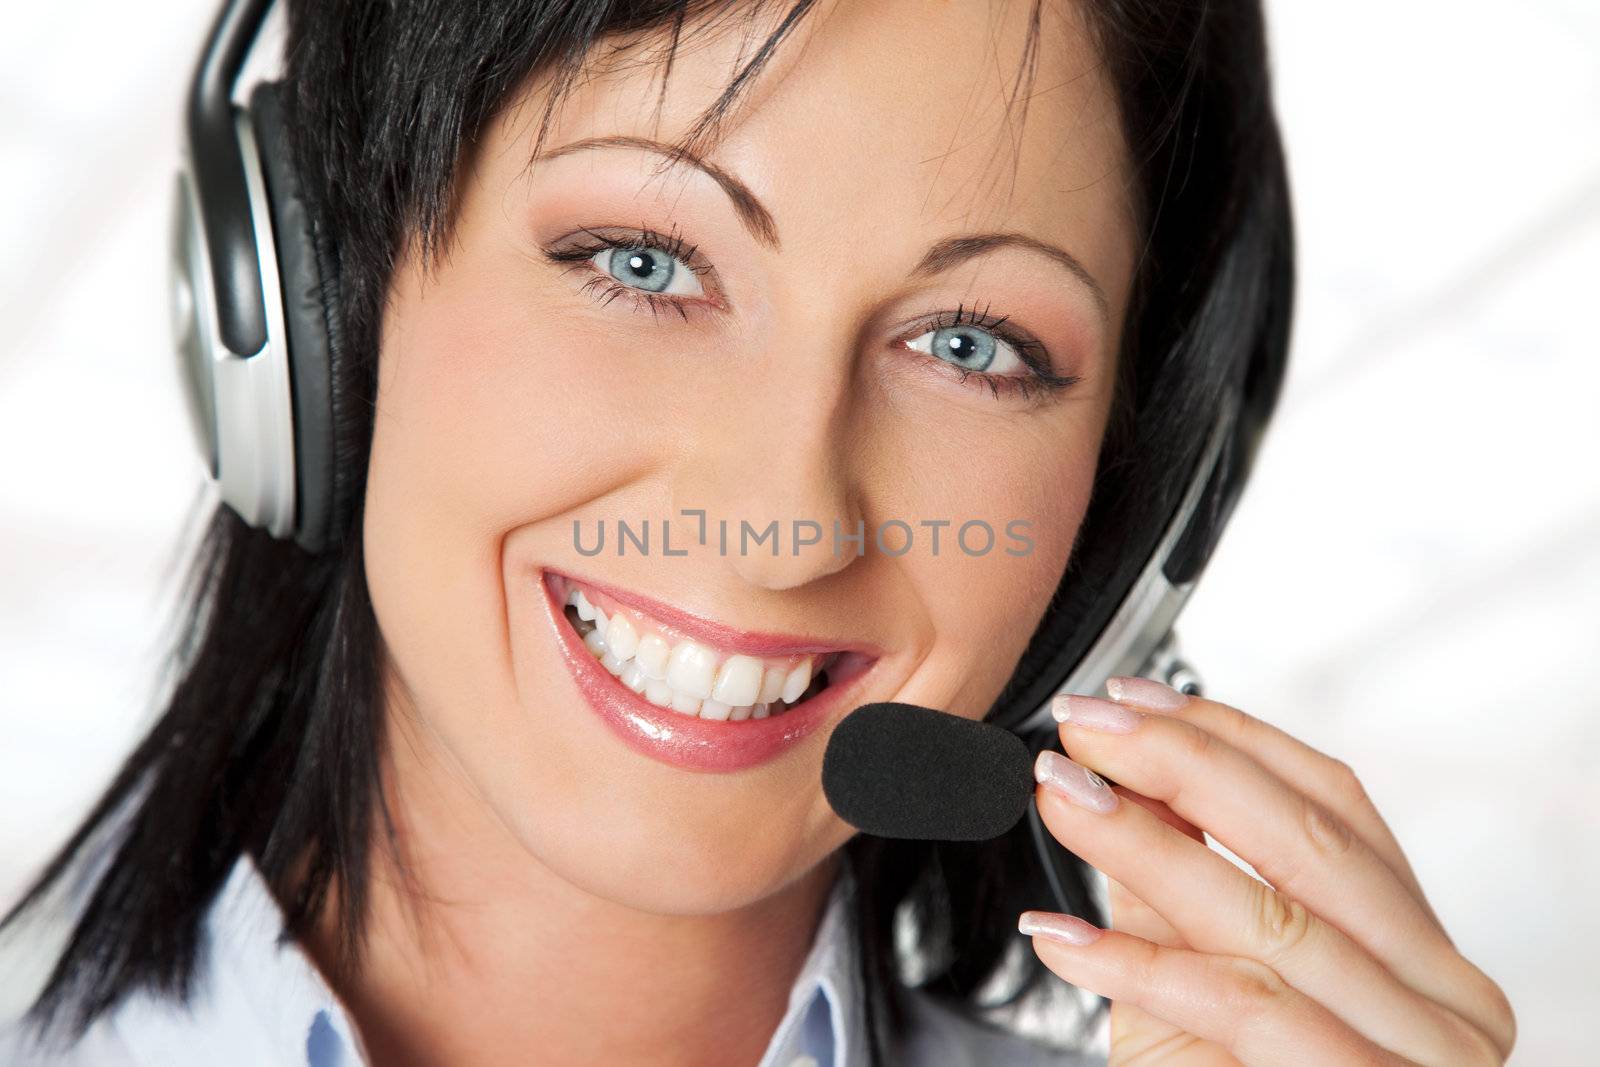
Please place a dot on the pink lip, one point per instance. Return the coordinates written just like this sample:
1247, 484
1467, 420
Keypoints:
750, 642
682, 740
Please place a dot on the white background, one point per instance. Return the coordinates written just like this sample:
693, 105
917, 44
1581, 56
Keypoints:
1412, 581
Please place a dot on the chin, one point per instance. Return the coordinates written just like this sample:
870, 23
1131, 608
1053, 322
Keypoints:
647, 856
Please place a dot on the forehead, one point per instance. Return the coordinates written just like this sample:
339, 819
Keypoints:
925, 117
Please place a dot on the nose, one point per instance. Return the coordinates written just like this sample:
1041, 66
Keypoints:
777, 477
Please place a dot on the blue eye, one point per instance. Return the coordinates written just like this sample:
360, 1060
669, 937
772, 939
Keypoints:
971, 349
649, 269
659, 270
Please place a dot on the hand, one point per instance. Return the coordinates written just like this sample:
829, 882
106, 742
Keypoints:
1338, 961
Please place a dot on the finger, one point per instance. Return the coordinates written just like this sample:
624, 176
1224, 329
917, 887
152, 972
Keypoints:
1163, 812
1134, 1031
1239, 1004
1128, 912
1294, 842
1332, 782
1329, 781
1218, 908
1304, 849
1132, 915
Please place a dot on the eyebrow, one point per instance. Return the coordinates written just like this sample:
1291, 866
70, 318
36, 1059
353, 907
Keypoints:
946, 254
953, 251
756, 218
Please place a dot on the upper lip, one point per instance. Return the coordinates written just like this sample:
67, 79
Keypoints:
721, 635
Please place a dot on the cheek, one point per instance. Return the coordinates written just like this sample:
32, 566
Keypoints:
1031, 486
493, 411
497, 407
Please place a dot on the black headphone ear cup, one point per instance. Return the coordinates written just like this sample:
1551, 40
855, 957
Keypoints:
308, 270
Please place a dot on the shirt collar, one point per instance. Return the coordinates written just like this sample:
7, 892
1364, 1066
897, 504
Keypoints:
824, 1017
255, 972
272, 975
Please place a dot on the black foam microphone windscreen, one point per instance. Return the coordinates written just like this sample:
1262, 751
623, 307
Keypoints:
900, 770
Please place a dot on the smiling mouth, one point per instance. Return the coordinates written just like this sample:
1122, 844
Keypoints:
721, 677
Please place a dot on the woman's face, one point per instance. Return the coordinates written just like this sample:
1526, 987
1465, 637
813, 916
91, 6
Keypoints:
772, 338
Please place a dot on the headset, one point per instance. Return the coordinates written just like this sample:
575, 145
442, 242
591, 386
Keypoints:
256, 307
255, 302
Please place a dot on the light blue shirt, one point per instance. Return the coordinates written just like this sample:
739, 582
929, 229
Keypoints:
257, 1003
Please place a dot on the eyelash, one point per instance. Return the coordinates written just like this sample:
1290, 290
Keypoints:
643, 239
1038, 383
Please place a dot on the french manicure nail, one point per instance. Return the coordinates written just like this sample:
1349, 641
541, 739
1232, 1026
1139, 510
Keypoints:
1146, 692
1074, 781
1094, 713
1067, 929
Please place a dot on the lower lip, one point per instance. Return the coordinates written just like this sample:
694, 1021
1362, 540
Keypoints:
683, 740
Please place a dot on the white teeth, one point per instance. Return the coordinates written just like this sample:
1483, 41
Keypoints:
687, 677
715, 709
738, 681
691, 669
621, 638
633, 676
771, 685
585, 609
653, 654
797, 681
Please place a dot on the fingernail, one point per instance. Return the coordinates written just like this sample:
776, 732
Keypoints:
1094, 713
1146, 692
1067, 929
1074, 781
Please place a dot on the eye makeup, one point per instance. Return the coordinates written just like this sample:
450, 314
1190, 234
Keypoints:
1039, 382
606, 287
